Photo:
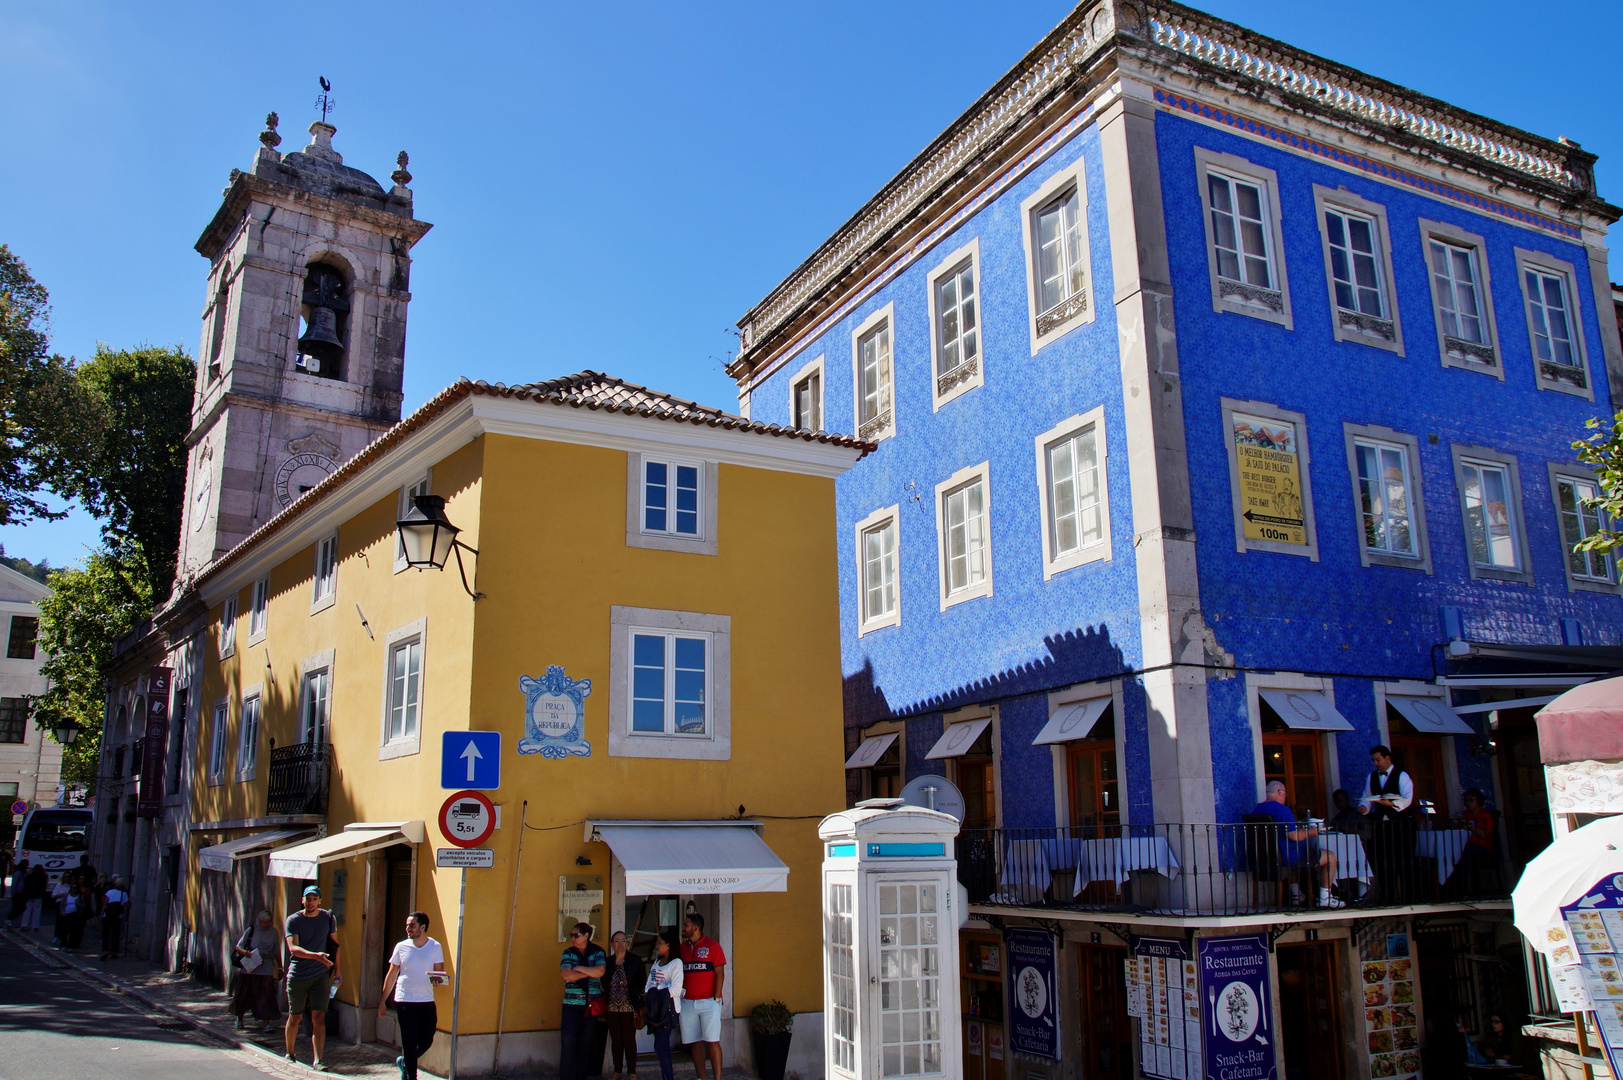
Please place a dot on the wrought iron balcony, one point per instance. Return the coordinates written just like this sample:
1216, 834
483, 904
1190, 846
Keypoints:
1251, 868
299, 775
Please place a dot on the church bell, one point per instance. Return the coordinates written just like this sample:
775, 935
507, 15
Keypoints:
324, 297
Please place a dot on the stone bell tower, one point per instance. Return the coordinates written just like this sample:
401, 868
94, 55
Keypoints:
304, 334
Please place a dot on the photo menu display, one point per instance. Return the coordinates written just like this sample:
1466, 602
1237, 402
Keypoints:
1163, 994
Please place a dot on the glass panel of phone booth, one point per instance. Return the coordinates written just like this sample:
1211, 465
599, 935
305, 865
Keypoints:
910, 919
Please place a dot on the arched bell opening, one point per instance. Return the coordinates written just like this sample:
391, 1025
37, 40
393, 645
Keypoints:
324, 322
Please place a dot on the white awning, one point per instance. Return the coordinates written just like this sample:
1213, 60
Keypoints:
1305, 710
1072, 721
871, 750
302, 860
958, 738
223, 857
693, 857
1429, 715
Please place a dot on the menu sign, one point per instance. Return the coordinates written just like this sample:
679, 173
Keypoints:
1237, 991
1163, 993
1389, 1015
1585, 964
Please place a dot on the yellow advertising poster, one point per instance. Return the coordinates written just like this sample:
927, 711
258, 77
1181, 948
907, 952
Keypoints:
1270, 480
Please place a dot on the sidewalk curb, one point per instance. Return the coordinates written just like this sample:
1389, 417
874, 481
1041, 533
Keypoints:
61, 960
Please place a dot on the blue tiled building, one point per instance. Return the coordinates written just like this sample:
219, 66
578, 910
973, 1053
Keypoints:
1224, 399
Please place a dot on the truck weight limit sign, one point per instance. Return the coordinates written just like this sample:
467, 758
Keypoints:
467, 819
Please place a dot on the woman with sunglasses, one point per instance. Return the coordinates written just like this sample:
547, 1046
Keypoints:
582, 970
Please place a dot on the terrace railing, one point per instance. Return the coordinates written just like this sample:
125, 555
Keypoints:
299, 776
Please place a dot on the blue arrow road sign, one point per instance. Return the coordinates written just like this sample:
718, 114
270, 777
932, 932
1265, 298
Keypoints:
471, 759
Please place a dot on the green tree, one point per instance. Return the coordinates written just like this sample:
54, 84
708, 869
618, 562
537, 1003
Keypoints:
43, 420
1603, 452
133, 472
87, 610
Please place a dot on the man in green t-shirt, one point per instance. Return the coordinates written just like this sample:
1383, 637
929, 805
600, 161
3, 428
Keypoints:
581, 967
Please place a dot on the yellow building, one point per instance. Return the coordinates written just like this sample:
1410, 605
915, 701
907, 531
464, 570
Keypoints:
669, 567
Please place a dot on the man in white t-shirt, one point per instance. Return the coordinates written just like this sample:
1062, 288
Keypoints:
410, 978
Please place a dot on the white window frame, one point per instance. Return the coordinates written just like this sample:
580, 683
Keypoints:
817, 369
1410, 446
315, 665
1493, 362
884, 425
228, 627
889, 515
1383, 332
217, 744
324, 586
968, 374
1482, 455
960, 480
638, 537
1079, 309
1236, 297
413, 633
1266, 411
259, 610
714, 746
1099, 551
249, 734
1538, 262
1579, 582
423, 485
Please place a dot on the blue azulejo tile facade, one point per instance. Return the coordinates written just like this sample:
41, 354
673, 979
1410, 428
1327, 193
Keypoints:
1240, 310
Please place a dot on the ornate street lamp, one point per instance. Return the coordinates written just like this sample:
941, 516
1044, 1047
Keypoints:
428, 538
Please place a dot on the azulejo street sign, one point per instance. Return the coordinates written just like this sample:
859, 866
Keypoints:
479, 858
471, 759
467, 819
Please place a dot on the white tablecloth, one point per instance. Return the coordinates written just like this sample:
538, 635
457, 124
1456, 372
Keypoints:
1351, 859
1444, 845
1113, 860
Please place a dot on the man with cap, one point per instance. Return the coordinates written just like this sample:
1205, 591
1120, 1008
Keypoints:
312, 942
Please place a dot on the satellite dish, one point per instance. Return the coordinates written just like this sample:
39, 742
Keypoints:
934, 793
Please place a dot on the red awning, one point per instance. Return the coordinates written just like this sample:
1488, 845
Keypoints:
1583, 724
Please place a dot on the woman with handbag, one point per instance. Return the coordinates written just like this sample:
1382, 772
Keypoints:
662, 997
257, 980
623, 985
582, 970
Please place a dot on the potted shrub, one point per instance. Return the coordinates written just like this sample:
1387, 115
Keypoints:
771, 1027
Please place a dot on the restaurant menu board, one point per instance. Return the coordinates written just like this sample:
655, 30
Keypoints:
1163, 993
1585, 969
1389, 1015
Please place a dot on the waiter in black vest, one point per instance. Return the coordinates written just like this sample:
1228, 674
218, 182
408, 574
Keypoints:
1389, 801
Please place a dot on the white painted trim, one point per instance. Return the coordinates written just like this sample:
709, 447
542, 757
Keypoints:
1325, 198
1286, 680
717, 745
255, 694
217, 744
1453, 234
865, 625
1266, 411
818, 367
970, 253
228, 627
253, 593
1576, 584
884, 316
1483, 455
1210, 161
318, 601
1098, 552
411, 744
322, 661
1073, 174
1538, 261
962, 478
638, 537
1417, 500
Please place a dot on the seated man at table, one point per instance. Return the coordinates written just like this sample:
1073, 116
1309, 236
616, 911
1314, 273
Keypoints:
1346, 819
1297, 846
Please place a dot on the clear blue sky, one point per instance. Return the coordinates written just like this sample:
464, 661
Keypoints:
612, 185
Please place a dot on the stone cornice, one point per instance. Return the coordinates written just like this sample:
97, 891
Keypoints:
246, 187
1069, 63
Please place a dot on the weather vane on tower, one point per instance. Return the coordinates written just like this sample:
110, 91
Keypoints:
325, 102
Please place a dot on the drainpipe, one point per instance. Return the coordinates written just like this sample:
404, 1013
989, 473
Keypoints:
507, 960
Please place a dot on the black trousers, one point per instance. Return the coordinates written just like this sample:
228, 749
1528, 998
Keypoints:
418, 1021
111, 933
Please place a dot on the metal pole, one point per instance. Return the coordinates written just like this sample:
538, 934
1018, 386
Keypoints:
507, 960
456, 989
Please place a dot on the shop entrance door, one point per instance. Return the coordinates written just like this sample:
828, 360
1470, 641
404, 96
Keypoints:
1107, 1047
1310, 1008
981, 995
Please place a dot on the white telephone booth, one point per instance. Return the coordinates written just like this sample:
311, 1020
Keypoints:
891, 912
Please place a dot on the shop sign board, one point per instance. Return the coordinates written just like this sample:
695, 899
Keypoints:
1236, 989
1588, 967
1033, 996
1162, 995
467, 819
154, 743
580, 899
1270, 480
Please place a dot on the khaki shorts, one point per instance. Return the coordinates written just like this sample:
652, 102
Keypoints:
307, 994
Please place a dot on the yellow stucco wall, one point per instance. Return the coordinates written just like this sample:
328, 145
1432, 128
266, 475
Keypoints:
549, 520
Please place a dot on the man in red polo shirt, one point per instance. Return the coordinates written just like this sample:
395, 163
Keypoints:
703, 972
